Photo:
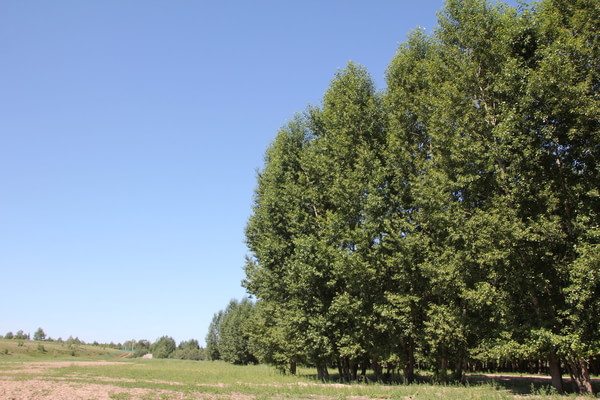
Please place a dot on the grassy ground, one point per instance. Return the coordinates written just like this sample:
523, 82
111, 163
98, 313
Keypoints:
31, 350
132, 379
202, 380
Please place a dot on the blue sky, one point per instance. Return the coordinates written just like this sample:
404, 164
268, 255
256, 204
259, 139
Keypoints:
130, 135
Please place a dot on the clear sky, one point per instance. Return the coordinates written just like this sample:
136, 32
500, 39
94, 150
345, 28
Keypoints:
130, 136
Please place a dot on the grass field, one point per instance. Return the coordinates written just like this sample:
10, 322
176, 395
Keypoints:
27, 372
31, 350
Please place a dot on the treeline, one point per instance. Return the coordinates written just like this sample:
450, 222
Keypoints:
230, 334
449, 221
40, 335
166, 347
20, 335
163, 347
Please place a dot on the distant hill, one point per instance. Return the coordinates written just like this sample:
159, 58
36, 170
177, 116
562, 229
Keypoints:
20, 350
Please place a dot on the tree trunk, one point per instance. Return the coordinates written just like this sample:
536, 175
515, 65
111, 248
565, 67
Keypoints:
377, 369
346, 369
595, 366
354, 368
322, 372
409, 367
292, 367
442, 371
581, 376
555, 372
459, 373
364, 367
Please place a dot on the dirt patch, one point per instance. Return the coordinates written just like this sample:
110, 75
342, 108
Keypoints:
39, 389
127, 380
40, 367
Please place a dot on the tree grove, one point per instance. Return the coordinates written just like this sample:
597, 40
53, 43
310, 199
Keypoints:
451, 219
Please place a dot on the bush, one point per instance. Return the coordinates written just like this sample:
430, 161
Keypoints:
163, 347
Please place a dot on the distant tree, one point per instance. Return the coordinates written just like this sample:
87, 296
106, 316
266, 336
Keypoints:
73, 341
189, 344
39, 334
129, 345
20, 335
189, 350
141, 348
163, 347
234, 340
229, 333
212, 337
9, 335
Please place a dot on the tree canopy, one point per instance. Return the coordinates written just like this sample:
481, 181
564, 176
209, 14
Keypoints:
452, 218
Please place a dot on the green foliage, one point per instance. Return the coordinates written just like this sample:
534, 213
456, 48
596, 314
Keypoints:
234, 338
189, 350
39, 334
212, 337
20, 335
20, 350
453, 217
139, 347
73, 342
163, 347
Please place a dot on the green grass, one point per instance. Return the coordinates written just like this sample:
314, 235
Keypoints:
31, 350
260, 381
191, 379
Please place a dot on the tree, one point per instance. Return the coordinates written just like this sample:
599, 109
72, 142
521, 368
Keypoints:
453, 218
20, 335
273, 336
189, 350
308, 221
141, 348
163, 347
212, 337
229, 333
9, 335
39, 334
279, 232
234, 334
346, 162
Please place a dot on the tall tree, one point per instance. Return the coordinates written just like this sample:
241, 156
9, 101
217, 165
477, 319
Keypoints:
212, 337
346, 162
234, 333
561, 115
283, 214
